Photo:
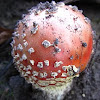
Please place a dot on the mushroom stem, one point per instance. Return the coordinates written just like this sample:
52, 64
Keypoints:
60, 92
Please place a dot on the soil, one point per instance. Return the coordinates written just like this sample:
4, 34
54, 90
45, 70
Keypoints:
14, 87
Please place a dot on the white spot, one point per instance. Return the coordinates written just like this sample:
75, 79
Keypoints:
46, 43
35, 28
21, 59
46, 62
70, 6
23, 15
81, 11
25, 44
53, 2
87, 20
23, 73
13, 52
15, 34
24, 40
60, 4
31, 50
24, 68
30, 80
33, 31
71, 69
54, 74
24, 57
15, 48
93, 51
32, 62
19, 47
21, 66
59, 71
37, 12
43, 75
34, 78
94, 42
74, 8
28, 72
19, 69
23, 35
12, 43
16, 56
57, 64
64, 68
26, 24
75, 69
18, 62
64, 74
40, 64
29, 67
35, 73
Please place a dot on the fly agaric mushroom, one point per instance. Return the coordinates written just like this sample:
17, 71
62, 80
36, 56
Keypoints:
51, 45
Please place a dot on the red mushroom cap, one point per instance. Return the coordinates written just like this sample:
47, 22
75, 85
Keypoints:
52, 43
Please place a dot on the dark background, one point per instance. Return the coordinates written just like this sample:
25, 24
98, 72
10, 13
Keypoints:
14, 87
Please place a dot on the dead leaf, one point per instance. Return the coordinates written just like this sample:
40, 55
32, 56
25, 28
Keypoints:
5, 34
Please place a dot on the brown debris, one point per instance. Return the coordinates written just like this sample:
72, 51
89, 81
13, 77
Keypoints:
5, 34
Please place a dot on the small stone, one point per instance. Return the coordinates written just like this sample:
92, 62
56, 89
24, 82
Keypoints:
83, 95
56, 42
84, 44
57, 49
71, 58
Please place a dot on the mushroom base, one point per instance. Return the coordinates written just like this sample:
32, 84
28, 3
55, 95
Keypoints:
57, 92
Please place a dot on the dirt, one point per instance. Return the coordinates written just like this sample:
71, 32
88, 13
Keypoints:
14, 87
